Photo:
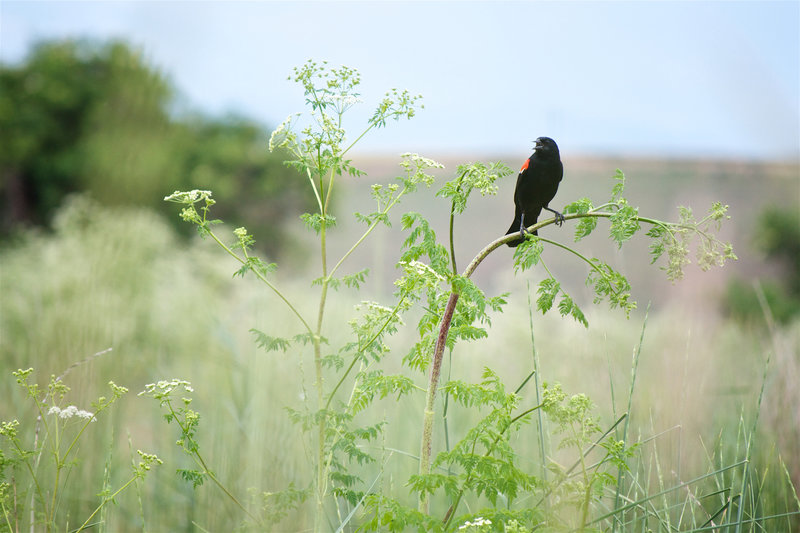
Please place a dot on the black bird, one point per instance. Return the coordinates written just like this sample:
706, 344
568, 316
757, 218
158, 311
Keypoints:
537, 184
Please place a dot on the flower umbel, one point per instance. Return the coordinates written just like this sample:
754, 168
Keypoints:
71, 411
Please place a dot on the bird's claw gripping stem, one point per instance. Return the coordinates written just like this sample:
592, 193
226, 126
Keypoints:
559, 217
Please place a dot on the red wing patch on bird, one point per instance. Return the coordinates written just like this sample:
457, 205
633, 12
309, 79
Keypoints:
525, 165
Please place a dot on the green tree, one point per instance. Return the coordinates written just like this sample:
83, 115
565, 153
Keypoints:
86, 116
75, 116
778, 238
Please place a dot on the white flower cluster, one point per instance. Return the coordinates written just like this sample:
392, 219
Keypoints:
480, 521
186, 197
420, 268
419, 161
71, 411
166, 387
341, 100
280, 136
374, 306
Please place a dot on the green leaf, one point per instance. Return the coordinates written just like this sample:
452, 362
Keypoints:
256, 265
374, 384
585, 225
480, 176
269, 343
194, 477
315, 220
547, 291
527, 253
619, 187
568, 307
624, 223
355, 280
422, 242
610, 284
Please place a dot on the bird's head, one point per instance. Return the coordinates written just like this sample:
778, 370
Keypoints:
545, 146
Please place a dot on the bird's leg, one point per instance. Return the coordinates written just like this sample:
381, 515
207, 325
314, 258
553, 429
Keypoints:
559, 217
522, 225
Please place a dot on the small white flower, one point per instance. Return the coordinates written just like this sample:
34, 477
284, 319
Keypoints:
422, 269
480, 521
71, 411
164, 387
186, 197
282, 134
341, 100
86, 415
374, 306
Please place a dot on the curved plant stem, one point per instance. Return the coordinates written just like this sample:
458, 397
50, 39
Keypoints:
430, 398
447, 318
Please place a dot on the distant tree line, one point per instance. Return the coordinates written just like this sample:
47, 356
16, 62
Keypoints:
777, 237
94, 117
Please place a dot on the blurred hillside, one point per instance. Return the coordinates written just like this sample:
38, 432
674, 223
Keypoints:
657, 187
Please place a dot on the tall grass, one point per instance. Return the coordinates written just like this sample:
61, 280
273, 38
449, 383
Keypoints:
712, 406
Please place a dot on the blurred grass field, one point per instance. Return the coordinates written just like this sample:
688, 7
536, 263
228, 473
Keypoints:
121, 278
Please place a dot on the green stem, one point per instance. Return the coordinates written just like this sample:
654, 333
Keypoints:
492, 246
581, 256
5, 515
22, 453
367, 232
371, 125
59, 465
263, 278
105, 501
314, 188
452, 223
198, 459
321, 485
587, 483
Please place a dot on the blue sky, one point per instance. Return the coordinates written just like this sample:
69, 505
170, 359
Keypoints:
682, 79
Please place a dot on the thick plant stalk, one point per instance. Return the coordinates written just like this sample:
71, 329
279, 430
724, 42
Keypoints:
433, 383
438, 355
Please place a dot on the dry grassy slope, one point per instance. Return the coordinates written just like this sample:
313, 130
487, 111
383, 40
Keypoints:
657, 187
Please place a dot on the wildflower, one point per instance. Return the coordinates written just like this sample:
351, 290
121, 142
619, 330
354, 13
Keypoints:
480, 521
71, 411
421, 269
342, 101
164, 387
282, 136
188, 197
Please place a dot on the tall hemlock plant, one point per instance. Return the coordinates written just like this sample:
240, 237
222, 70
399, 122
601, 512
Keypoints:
482, 466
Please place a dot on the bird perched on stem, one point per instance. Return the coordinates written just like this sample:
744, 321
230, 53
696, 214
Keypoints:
537, 184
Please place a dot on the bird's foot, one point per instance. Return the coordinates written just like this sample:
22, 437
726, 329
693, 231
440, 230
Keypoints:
559, 217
